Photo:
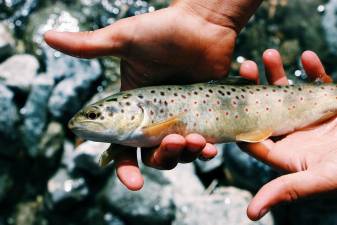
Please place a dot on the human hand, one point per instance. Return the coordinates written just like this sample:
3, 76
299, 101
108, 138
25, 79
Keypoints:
190, 41
309, 156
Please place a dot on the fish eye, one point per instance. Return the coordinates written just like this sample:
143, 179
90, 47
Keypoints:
92, 115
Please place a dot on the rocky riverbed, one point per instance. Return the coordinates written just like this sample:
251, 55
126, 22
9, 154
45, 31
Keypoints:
47, 177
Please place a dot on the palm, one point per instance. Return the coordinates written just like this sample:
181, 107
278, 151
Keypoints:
160, 51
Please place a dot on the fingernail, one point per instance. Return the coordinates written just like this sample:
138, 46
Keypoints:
263, 212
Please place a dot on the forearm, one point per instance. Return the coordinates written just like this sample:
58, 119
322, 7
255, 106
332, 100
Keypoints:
228, 13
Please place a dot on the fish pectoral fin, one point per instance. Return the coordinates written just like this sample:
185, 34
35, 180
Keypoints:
158, 128
106, 157
255, 136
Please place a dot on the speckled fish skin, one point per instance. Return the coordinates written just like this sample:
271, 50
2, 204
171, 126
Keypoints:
221, 113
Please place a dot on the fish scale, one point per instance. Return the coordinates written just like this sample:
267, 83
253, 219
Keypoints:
221, 113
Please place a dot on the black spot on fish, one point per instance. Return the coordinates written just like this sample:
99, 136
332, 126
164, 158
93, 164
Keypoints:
207, 95
180, 88
122, 110
228, 93
237, 97
132, 117
243, 90
154, 100
196, 93
274, 90
264, 87
300, 89
111, 114
102, 118
200, 88
169, 89
285, 91
221, 93
242, 96
165, 103
233, 89
101, 105
175, 94
183, 96
210, 91
162, 93
161, 111
128, 103
257, 89
140, 96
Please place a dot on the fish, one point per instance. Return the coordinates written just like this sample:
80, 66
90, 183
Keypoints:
219, 112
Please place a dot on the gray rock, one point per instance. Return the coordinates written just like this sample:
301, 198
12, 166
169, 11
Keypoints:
51, 144
151, 205
6, 184
209, 166
65, 191
7, 42
85, 158
226, 206
70, 94
35, 112
244, 171
19, 71
8, 122
329, 24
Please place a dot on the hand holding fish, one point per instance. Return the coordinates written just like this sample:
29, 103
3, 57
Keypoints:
309, 156
193, 38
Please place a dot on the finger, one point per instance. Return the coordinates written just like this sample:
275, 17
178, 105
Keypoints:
128, 170
209, 152
314, 67
274, 67
194, 145
249, 70
167, 155
284, 189
111, 40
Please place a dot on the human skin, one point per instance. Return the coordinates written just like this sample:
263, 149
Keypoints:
190, 41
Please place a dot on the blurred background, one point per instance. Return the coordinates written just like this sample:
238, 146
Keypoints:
47, 176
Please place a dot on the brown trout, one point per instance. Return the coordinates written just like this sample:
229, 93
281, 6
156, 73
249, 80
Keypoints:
221, 113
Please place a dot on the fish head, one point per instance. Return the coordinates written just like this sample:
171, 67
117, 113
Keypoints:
115, 119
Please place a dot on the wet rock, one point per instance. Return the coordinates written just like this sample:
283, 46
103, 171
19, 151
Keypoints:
19, 71
329, 24
151, 205
8, 121
35, 112
85, 158
8, 7
7, 42
6, 184
70, 94
209, 166
51, 144
244, 171
27, 213
225, 206
65, 191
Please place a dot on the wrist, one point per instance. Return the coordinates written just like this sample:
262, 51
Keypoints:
227, 13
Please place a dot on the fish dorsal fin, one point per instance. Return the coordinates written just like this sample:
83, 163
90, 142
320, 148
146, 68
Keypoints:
162, 126
255, 136
233, 80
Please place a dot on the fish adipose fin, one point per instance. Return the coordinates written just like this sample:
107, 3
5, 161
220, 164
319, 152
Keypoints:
157, 129
255, 136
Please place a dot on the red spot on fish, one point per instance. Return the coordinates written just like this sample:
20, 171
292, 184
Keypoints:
218, 102
204, 101
267, 95
236, 117
185, 110
257, 102
246, 109
301, 98
234, 102
209, 110
172, 101
183, 96
151, 113
226, 113
267, 109
279, 100
310, 91
195, 102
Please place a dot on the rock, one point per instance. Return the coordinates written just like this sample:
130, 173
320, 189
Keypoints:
19, 71
8, 121
226, 206
51, 144
209, 166
151, 205
329, 24
27, 213
85, 158
245, 171
69, 95
7, 42
8, 7
6, 184
65, 192
35, 113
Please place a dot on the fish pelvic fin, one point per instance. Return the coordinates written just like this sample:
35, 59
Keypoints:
255, 136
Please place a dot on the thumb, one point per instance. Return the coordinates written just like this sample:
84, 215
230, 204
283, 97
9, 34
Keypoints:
111, 40
286, 188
